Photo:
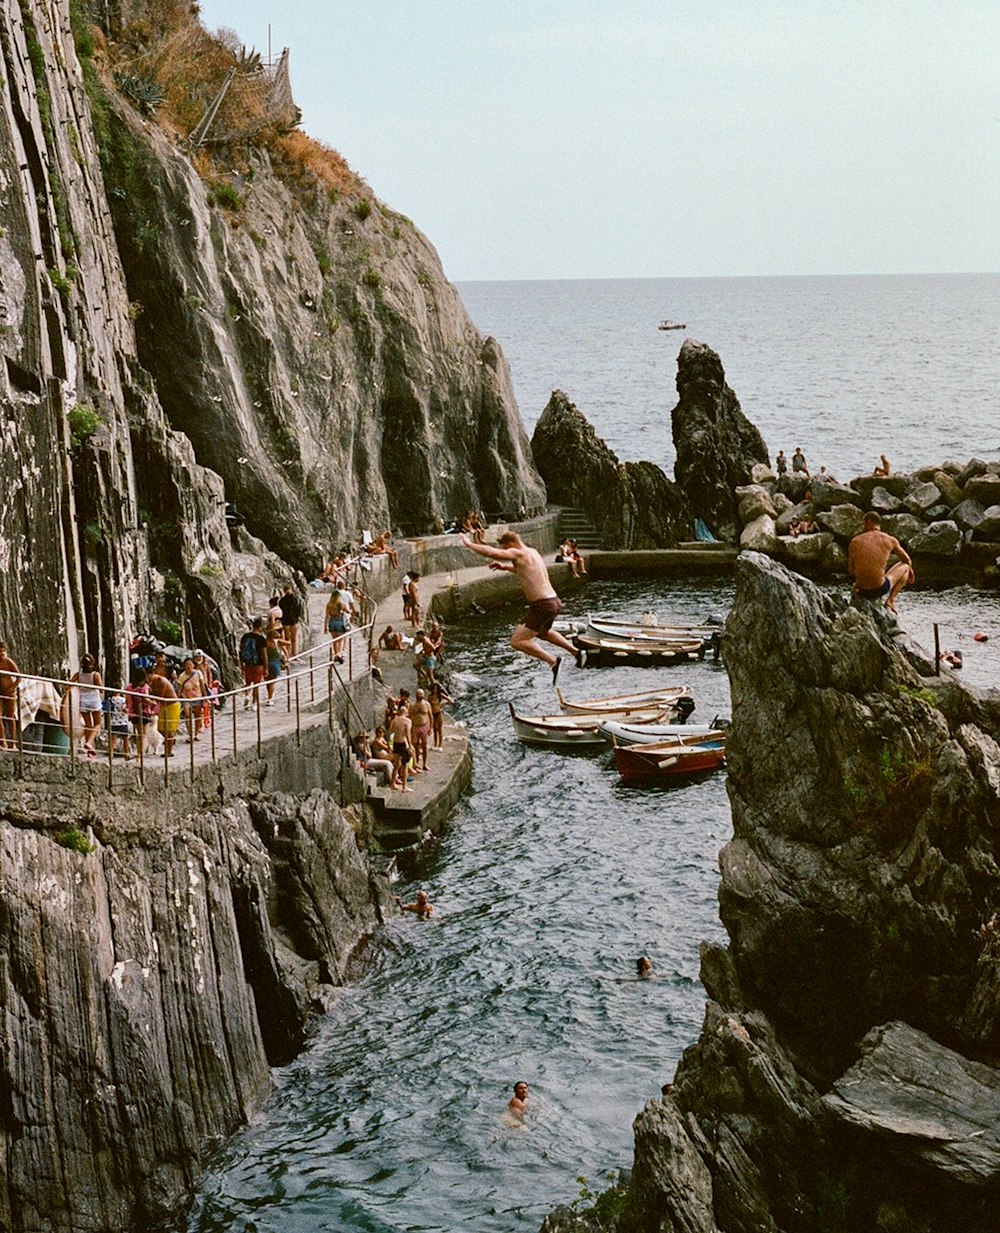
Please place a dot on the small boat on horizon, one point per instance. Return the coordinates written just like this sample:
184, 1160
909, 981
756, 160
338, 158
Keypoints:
672, 325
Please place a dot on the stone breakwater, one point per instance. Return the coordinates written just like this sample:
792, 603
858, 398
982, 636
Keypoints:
947, 517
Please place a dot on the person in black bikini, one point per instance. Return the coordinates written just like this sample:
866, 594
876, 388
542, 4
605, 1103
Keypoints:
867, 558
544, 605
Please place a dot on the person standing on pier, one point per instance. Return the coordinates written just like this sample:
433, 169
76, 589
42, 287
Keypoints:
514, 556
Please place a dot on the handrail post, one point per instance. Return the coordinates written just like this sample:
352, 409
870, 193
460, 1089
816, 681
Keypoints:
234, 709
257, 709
312, 680
298, 716
329, 697
350, 658
111, 750
191, 746
17, 728
212, 720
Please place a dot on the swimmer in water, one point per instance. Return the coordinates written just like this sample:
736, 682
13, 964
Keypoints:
517, 1106
423, 907
644, 966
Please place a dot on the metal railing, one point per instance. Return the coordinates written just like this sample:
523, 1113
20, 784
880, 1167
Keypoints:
312, 678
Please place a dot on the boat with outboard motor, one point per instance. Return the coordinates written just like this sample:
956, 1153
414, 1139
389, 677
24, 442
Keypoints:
573, 731
673, 697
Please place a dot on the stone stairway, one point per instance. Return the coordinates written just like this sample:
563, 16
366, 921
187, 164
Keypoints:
574, 524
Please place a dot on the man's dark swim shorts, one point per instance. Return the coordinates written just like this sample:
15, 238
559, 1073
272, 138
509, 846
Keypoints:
884, 589
540, 614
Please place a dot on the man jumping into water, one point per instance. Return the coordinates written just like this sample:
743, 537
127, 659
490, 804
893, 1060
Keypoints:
514, 556
867, 558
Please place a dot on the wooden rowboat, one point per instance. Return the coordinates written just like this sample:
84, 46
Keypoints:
608, 652
571, 731
667, 697
638, 764
622, 732
610, 627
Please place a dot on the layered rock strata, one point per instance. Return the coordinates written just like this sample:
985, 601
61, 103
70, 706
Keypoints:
180, 330
846, 1074
161, 953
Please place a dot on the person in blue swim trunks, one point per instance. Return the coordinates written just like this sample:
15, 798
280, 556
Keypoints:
868, 563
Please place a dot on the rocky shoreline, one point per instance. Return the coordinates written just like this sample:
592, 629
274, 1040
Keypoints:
846, 1076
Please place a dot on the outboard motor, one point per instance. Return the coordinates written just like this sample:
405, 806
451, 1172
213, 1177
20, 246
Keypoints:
683, 707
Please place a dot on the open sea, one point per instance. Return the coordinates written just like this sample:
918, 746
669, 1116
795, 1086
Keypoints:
552, 878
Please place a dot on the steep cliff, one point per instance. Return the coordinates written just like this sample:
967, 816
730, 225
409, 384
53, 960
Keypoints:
717, 446
846, 1074
185, 325
162, 949
631, 504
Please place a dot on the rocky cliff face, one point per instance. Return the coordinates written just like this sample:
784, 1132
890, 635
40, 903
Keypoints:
148, 983
846, 1074
717, 446
631, 504
178, 336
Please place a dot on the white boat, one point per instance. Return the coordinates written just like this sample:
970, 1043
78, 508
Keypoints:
611, 627
669, 697
618, 732
672, 325
571, 731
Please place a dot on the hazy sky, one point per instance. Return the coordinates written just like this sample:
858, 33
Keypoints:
654, 138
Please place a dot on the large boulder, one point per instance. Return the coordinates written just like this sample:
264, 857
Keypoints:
988, 527
759, 535
882, 501
754, 501
984, 488
921, 497
631, 504
902, 526
949, 490
717, 446
940, 539
844, 521
825, 495
968, 514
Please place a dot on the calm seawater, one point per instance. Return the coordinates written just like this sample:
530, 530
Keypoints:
847, 367
552, 877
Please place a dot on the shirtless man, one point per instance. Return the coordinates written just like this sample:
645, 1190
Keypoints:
420, 718
169, 717
422, 907
867, 558
400, 730
8, 700
518, 1104
516, 557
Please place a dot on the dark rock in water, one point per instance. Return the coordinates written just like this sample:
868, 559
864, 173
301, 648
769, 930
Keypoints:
861, 896
717, 446
631, 504
940, 539
922, 1098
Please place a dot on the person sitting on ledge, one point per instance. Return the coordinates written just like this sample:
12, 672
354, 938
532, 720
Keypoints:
883, 467
390, 639
867, 558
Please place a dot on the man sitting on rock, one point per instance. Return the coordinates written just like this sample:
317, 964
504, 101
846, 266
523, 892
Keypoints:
867, 558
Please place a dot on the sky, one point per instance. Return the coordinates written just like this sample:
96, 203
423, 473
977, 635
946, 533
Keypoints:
660, 138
